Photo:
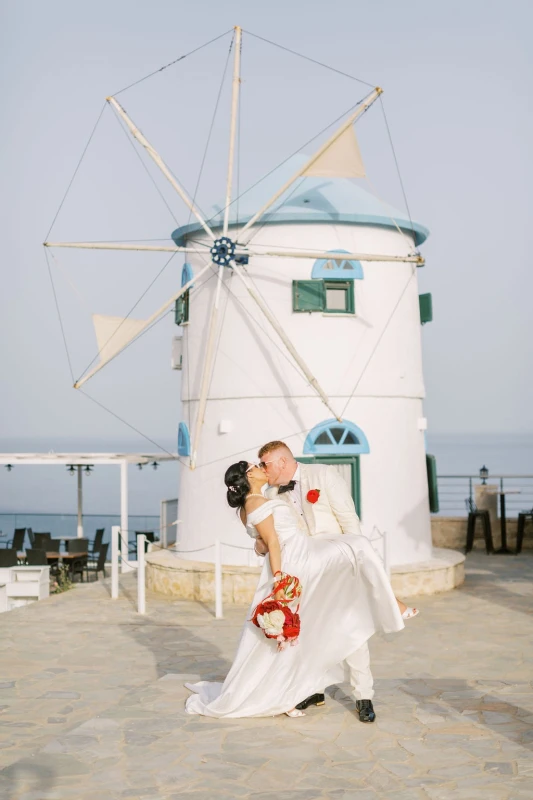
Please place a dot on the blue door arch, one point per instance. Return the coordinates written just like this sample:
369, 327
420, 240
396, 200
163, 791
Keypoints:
339, 444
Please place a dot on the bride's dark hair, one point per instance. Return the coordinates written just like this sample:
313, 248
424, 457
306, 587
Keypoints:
238, 485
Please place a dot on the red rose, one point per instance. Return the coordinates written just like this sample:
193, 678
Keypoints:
313, 495
291, 628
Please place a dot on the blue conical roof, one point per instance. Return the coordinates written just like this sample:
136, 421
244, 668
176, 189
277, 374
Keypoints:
335, 200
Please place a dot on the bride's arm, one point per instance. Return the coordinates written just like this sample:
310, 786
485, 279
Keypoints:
269, 536
260, 548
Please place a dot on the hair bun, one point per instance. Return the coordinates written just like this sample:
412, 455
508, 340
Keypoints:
238, 485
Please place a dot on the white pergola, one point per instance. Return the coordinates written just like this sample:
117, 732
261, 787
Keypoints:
81, 460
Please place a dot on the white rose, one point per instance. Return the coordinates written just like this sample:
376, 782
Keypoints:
272, 622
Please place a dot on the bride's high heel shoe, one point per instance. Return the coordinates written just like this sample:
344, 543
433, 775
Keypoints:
295, 713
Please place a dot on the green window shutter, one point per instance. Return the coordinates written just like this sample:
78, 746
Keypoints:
426, 308
308, 296
431, 467
181, 309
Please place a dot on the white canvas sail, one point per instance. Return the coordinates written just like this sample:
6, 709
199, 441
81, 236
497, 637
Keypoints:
114, 333
342, 159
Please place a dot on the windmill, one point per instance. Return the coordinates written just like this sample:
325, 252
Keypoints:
234, 250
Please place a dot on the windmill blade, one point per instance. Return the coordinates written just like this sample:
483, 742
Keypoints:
114, 334
149, 248
233, 124
209, 355
284, 338
313, 161
154, 155
207, 370
413, 258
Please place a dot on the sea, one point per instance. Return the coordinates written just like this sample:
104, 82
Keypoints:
45, 499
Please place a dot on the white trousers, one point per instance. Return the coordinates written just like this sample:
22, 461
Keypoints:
357, 665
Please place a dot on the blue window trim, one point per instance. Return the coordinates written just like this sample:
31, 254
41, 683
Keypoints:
339, 274
184, 440
186, 274
334, 448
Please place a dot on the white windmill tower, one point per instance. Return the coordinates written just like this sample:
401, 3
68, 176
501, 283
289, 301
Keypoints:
310, 333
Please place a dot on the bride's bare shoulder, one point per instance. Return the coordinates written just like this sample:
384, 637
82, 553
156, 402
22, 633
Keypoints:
248, 507
254, 502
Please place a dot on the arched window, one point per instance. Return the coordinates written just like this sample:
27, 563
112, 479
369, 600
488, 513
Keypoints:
186, 274
337, 268
336, 438
184, 440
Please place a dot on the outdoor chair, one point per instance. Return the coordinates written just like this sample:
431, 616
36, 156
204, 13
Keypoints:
8, 558
523, 517
98, 565
77, 565
79, 545
150, 539
475, 513
51, 545
36, 558
31, 537
97, 541
17, 542
41, 539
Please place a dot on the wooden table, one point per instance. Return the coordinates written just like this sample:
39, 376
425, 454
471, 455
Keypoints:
65, 557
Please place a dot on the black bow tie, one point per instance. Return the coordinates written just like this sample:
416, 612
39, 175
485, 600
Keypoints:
287, 488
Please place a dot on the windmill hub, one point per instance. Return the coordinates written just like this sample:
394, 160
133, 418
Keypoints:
222, 251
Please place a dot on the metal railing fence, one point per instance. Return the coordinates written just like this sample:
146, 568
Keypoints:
455, 489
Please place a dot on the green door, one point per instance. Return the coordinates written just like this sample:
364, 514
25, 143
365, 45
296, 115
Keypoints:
348, 468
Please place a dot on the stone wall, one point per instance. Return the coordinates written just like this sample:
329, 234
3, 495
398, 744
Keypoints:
450, 532
195, 580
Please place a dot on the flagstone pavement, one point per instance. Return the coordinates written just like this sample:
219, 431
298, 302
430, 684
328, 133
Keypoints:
91, 703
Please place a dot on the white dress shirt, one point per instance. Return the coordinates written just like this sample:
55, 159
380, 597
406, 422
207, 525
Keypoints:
295, 495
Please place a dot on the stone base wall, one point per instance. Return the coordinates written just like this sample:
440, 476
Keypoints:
451, 532
195, 580
444, 572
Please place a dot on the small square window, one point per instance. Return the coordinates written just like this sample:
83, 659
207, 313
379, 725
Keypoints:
336, 299
339, 297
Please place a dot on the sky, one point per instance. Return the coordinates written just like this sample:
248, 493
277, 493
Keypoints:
457, 81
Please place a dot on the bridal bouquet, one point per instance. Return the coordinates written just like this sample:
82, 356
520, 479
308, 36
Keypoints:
273, 615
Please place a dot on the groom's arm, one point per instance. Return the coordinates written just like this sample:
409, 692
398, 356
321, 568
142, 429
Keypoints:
341, 502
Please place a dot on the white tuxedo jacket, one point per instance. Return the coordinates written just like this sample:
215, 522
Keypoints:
334, 512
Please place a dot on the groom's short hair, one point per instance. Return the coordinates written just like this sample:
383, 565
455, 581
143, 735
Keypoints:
271, 446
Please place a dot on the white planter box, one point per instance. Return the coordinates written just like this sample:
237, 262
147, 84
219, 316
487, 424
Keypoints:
23, 585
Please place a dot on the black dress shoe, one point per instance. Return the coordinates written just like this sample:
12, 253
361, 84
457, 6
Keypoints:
313, 700
365, 709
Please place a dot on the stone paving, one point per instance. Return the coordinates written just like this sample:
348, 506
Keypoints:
91, 703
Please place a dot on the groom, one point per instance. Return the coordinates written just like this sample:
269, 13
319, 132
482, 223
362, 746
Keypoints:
329, 511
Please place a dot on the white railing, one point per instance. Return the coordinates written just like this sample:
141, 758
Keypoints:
117, 553
140, 564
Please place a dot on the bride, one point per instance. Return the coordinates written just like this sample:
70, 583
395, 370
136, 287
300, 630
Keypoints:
346, 597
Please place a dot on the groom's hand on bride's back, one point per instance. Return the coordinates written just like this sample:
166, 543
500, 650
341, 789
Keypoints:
260, 547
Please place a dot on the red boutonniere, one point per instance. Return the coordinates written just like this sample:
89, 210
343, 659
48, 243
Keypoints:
313, 495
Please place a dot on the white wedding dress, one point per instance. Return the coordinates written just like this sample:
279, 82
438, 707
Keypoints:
346, 598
